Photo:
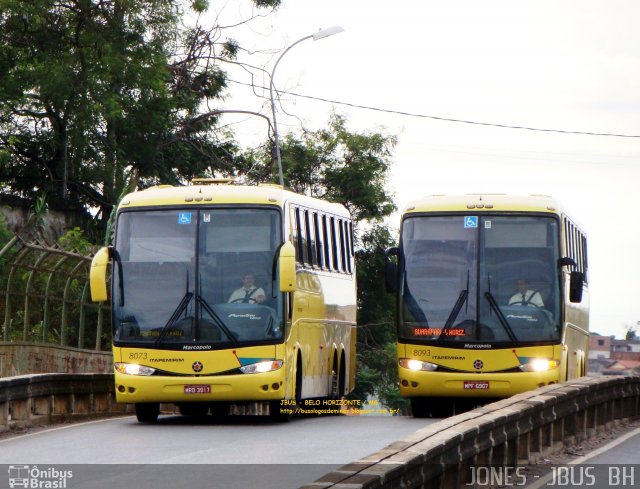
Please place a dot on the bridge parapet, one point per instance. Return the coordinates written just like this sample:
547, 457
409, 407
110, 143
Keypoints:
30, 400
519, 430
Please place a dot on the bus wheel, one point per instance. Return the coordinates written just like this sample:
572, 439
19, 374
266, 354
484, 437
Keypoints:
334, 381
147, 412
342, 379
420, 407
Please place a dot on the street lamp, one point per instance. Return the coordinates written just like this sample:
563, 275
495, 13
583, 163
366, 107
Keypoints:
321, 34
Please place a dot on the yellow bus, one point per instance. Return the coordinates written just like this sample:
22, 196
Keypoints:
492, 299
224, 293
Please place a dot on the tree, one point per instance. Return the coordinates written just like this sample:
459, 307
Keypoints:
99, 95
335, 164
377, 365
631, 333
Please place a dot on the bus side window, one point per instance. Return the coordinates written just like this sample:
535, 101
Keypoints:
334, 244
343, 246
310, 255
297, 234
349, 247
327, 242
319, 241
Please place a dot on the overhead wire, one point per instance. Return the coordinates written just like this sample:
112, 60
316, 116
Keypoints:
445, 119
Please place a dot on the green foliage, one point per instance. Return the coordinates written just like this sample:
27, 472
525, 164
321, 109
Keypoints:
631, 333
377, 376
5, 237
334, 163
377, 372
95, 94
74, 240
5, 234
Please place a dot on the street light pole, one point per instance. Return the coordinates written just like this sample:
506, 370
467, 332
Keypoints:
321, 34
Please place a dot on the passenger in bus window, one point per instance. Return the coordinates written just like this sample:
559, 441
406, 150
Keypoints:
248, 293
525, 296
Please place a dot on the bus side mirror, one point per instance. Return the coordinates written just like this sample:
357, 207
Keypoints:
391, 270
576, 281
566, 262
287, 263
98, 275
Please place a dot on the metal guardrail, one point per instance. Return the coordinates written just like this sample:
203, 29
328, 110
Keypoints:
45, 293
30, 400
519, 430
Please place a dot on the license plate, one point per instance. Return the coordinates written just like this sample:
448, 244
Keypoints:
474, 384
197, 389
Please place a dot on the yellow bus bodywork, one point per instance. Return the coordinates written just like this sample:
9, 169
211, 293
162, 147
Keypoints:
319, 335
463, 378
571, 352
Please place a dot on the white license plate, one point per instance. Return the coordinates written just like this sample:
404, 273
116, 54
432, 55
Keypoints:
474, 384
197, 389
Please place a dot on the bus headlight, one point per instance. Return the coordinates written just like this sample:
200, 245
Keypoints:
539, 365
262, 367
133, 369
416, 365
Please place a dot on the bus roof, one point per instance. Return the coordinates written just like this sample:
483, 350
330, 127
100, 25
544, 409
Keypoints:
207, 194
484, 202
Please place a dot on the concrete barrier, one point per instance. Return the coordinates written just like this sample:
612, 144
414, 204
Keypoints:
23, 358
520, 430
31, 400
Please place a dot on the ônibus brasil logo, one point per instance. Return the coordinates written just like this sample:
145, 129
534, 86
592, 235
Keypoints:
34, 477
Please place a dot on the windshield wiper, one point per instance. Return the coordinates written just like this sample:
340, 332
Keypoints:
203, 303
182, 306
462, 298
503, 320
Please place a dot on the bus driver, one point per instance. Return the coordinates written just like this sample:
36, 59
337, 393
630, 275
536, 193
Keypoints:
525, 296
248, 292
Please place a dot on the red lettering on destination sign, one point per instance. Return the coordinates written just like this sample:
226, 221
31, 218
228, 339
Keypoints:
438, 332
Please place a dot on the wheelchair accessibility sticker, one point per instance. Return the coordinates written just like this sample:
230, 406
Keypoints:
184, 218
471, 221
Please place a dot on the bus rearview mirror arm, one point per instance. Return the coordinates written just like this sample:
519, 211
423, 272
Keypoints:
391, 270
566, 262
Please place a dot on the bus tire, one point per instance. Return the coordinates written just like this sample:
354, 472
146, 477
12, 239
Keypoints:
147, 412
342, 384
334, 380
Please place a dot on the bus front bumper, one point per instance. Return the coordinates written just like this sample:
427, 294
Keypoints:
454, 384
240, 387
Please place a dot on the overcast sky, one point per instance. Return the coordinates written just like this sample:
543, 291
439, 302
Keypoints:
563, 65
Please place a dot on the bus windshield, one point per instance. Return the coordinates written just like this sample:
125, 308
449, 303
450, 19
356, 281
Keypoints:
480, 279
196, 278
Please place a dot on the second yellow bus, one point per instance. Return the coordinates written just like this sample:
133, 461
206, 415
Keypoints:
492, 299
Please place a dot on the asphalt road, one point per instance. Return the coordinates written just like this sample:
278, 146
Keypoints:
241, 452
